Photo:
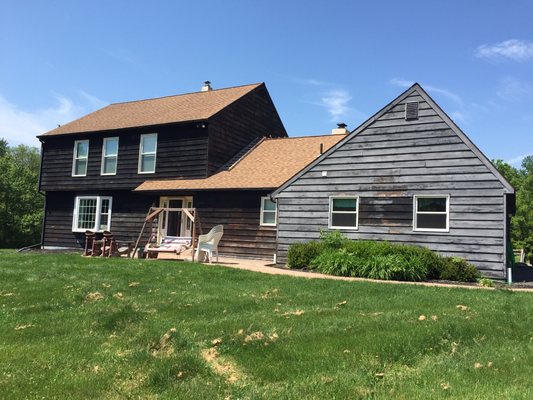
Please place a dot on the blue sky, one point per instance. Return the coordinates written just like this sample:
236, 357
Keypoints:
323, 61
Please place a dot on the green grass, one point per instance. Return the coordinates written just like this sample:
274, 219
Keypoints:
54, 343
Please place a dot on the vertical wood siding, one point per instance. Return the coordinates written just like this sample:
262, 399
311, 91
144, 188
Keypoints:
386, 165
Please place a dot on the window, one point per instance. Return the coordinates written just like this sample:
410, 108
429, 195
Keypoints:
81, 155
147, 153
431, 213
268, 212
343, 212
109, 156
92, 213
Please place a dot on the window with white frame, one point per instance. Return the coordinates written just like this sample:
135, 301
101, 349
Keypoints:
147, 153
431, 213
81, 156
344, 212
92, 213
269, 212
109, 156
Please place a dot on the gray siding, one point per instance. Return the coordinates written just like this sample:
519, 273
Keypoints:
388, 163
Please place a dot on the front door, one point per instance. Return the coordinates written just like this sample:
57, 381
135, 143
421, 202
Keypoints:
175, 223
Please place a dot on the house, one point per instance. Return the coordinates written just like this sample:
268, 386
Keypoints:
407, 175
91, 166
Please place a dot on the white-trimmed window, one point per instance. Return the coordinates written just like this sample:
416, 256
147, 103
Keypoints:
92, 213
269, 212
147, 153
344, 212
109, 156
81, 157
431, 213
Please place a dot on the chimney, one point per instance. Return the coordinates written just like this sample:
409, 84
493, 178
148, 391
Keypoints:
340, 130
207, 86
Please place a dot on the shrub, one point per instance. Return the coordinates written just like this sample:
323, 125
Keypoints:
300, 255
336, 262
458, 269
333, 239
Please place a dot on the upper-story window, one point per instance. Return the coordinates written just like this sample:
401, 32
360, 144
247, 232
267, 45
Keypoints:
81, 156
147, 153
269, 212
431, 213
109, 156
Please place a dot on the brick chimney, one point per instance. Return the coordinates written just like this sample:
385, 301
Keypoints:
207, 86
340, 129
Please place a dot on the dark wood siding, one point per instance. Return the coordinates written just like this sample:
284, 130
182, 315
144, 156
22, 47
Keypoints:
181, 152
252, 116
239, 213
128, 213
386, 165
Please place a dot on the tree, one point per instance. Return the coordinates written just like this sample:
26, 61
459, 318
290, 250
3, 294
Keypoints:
20, 202
522, 221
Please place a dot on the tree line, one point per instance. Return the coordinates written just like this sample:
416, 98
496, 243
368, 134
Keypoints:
522, 222
21, 204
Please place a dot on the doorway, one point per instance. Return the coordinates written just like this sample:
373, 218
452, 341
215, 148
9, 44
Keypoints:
174, 223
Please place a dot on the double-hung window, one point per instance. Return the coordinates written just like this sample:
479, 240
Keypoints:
147, 153
431, 213
344, 212
268, 212
81, 156
92, 213
109, 156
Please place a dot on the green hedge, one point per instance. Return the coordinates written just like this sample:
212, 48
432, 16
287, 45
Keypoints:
335, 254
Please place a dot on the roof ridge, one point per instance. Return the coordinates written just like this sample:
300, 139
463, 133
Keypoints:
185, 94
302, 137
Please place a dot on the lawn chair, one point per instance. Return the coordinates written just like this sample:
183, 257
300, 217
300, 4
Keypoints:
110, 246
92, 246
209, 243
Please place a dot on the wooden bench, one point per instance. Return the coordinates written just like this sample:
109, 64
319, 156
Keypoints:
170, 244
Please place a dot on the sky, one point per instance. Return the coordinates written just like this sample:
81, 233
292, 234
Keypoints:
323, 62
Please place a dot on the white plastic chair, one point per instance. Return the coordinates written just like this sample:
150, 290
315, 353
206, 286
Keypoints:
209, 243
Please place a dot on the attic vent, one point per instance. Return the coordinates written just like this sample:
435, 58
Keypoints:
411, 110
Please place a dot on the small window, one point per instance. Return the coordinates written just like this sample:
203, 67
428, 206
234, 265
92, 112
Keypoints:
92, 213
109, 156
344, 212
431, 213
81, 156
147, 153
268, 212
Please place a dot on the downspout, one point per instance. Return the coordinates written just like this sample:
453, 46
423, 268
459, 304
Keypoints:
43, 224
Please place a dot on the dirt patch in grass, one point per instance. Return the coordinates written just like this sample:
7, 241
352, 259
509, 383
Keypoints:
94, 296
221, 365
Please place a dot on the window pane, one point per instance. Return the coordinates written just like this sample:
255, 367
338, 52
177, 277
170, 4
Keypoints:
149, 144
110, 165
429, 204
431, 221
104, 206
111, 147
340, 219
82, 149
87, 213
148, 163
269, 205
269, 217
80, 167
344, 204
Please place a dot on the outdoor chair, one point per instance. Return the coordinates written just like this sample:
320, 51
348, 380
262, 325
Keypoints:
209, 243
109, 245
92, 246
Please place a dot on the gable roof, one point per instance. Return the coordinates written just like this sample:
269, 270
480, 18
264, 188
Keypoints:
440, 112
163, 110
266, 166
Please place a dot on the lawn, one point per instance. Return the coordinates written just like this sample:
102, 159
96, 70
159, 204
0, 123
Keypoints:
73, 327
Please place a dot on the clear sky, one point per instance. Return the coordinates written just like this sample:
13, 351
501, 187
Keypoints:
322, 61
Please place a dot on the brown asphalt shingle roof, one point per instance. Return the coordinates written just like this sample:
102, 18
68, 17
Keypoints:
267, 166
186, 107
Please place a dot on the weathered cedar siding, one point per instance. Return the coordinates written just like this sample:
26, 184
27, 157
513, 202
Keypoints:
239, 212
385, 165
128, 213
250, 117
181, 152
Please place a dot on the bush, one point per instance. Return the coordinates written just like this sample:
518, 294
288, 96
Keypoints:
300, 255
333, 239
457, 269
335, 262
